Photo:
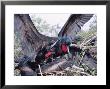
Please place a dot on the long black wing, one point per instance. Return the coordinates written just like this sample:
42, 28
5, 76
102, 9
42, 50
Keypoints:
74, 24
29, 37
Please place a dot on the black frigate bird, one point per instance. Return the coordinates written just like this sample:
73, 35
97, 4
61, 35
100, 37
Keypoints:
66, 35
34, 40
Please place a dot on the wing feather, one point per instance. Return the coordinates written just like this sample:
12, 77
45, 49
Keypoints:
74, 24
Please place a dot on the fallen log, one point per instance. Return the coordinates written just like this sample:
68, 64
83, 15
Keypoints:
57, 65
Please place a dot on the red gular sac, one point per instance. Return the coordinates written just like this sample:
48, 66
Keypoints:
48, 54
64, 48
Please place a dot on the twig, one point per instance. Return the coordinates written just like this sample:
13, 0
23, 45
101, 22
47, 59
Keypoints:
86, 47
40, 70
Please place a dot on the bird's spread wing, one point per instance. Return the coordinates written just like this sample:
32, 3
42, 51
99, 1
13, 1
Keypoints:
26, 32
74, 24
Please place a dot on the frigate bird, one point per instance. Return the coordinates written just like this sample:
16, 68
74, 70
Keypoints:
35, 44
